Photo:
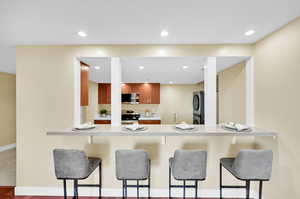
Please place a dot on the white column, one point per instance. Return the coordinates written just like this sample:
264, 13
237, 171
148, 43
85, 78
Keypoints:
210, 95
77, 111
116, 77
249, 68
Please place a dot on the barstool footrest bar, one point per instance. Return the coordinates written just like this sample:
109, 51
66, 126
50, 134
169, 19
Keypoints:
181, 186
134, 186
229, 186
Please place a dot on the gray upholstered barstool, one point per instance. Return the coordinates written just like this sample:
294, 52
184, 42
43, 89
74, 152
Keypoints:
249, 165
133, 165
187, 165
75, 165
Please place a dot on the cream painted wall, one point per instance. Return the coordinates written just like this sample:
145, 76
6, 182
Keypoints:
7, 109
232, 94
177, 99
277, 97
45, 101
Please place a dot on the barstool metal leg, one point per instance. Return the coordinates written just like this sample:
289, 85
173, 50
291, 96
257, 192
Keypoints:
123, 190
77, 195
169, 182
126, 188
74, 187
149, 183
100, 180
137, 189
196, 189
65, 188
247, 189
260, 189
221, 181
183, 188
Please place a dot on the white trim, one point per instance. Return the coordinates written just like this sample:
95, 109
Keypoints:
210, 96
249, 84
116, 77
87, 191
76, 115
7, 147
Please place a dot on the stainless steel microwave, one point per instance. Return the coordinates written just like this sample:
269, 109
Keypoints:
130, 98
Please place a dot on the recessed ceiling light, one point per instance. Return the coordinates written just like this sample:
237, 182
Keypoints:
141, 67
82, 34
249, 32
164, 33
97, 67
170, 82
185, 67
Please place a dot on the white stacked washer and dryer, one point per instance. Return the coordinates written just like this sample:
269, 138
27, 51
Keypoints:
198, 107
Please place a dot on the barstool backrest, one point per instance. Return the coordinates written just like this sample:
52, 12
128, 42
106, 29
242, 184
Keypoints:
189, 164
132, 164
70, 164
254, 164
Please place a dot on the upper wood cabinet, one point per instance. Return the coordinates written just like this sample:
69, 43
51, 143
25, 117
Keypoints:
155, 93
84, 84
149, 93
104, 94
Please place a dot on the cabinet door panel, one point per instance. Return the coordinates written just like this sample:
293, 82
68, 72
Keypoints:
102, 122
145, 94
126, 88
104, 94
155, 93
84, 87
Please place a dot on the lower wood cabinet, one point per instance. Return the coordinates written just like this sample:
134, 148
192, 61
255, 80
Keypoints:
149, 122
102, 122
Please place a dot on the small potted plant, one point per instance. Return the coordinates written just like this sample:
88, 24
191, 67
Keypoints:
103, 112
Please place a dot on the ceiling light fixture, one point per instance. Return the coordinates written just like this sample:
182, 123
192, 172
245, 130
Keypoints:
249, 32
185, 67
164, 33
141, 67
97, 67
82, 34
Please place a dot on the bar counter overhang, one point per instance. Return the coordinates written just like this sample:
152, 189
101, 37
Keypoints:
161, 130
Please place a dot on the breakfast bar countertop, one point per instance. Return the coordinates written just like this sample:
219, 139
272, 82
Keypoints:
161, 130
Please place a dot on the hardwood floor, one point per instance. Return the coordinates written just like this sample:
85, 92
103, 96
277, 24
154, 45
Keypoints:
8, 193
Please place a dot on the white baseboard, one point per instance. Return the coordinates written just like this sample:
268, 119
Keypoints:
7, 147
87, 191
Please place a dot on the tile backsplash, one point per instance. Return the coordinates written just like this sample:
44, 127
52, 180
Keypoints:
140, 108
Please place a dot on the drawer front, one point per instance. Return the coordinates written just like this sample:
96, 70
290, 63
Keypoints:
149, 122
102, 122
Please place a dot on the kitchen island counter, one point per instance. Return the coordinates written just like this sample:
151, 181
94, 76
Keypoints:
160, 130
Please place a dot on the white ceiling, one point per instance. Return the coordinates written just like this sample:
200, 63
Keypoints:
137, 22
157, 69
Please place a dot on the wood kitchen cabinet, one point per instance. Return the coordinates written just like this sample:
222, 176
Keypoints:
149, 93
149, 122
102, 122
84, 84
155, 93
104, 93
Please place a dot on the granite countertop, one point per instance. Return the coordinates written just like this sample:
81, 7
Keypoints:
160, 130
99, 117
